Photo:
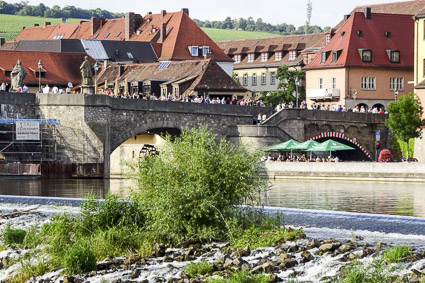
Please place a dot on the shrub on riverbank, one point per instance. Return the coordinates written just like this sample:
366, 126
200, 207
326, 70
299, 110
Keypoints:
193, 186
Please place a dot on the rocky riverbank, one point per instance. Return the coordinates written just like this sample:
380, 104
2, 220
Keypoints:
306, 259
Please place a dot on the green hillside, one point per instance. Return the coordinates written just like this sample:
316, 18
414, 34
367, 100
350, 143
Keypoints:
11, 25
226, 34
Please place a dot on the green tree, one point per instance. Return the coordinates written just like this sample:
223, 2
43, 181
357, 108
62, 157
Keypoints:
194, 183
289, 84
227, 23
405, 118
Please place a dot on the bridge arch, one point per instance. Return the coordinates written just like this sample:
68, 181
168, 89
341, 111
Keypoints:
328, 135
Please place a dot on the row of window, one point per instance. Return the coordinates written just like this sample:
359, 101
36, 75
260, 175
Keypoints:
254, 79
365, 55
265, 56
368, 83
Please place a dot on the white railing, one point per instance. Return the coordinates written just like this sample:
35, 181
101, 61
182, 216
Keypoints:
323, 93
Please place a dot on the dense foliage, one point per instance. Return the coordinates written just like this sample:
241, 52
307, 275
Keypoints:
194, 184
24, 9
258, 25
405, 117
289, 83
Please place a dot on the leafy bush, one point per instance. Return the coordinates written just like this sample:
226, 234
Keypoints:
97, 214
200, 268
396, 254
13, 236
117, 241
79, 258
193, 184
243, 277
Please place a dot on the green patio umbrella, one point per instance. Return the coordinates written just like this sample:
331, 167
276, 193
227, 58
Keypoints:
285, 146
330, 145
306, 145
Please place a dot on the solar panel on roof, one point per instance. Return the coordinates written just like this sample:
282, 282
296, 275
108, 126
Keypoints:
164, 65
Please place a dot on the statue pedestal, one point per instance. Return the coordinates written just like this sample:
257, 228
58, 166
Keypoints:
87, 89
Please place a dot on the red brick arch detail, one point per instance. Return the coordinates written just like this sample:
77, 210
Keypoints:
341, 136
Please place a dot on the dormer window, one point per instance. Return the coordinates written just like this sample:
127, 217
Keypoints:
251, 57
205, 50
366, 55
264, 56
278, 56
328, 38
335, 55
292, 55
394, 56
237, 58
194, 50
324, 56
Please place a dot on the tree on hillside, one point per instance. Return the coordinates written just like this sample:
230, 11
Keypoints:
227, 24
405, 118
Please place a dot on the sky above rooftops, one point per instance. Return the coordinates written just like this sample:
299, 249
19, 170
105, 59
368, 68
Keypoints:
325, 12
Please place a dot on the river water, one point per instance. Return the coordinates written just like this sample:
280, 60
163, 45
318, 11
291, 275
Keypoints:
393, 198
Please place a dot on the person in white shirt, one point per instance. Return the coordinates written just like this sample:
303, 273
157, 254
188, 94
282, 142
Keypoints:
46, 89
55, 89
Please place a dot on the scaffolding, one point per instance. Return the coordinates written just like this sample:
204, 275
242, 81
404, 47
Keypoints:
40, 147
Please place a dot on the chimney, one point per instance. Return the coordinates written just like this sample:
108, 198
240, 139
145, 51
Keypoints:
130, 25
346, 17
46, 24
163, 32
95, 25
163, 12
367, 12
36, 25
186, 11
2, 41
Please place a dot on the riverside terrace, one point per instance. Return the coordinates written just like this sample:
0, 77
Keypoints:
93, 126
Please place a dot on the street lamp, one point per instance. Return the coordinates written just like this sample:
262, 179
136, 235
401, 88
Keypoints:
395, 95
96, 68
40, 66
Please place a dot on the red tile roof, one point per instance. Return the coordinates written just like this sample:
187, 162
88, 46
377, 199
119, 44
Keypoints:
404, 8
38, 32
271, 45
112, 29
181, 32
348, 42
60, 68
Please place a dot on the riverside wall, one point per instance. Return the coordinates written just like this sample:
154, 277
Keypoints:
356, 171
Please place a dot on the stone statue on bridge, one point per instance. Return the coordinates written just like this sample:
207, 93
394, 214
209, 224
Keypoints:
17, 76
87, 72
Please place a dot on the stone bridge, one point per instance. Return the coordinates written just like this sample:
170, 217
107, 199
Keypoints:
93, 126
357, 130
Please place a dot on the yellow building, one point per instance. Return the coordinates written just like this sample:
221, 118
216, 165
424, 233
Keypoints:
419, 77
